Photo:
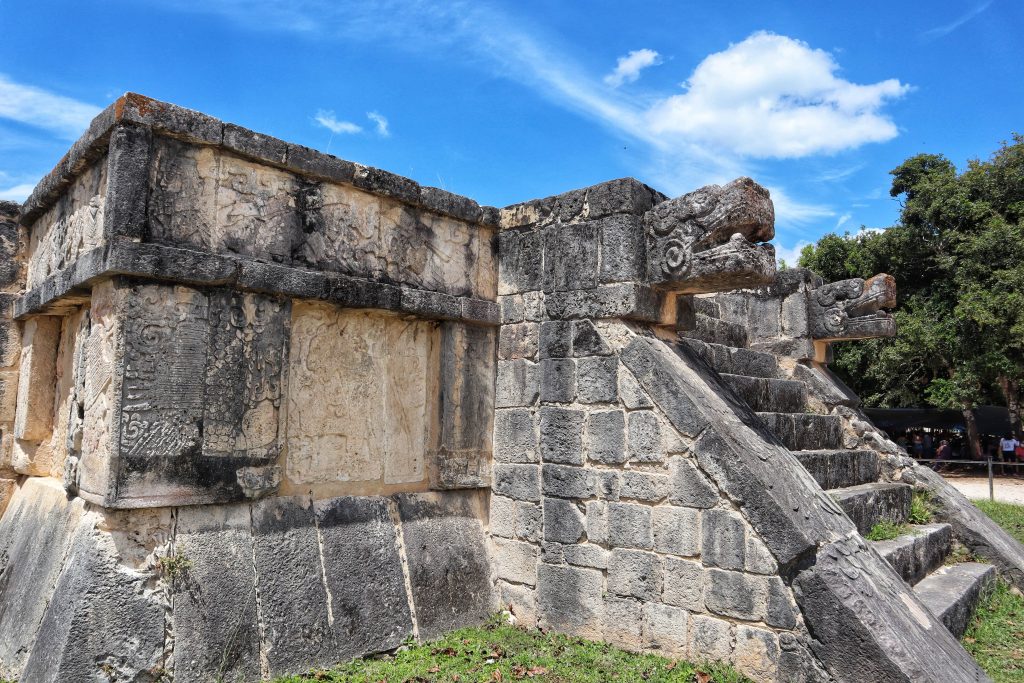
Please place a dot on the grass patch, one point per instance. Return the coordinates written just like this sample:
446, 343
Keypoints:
1006, 515
886, 531
995, 636
498, 652
921, 509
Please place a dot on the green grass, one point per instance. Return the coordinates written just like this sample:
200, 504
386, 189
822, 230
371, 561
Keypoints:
498, 652
1006, 515
921, 509
886, 531
995, 636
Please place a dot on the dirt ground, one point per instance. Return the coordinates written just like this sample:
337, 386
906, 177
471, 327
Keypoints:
1007, 489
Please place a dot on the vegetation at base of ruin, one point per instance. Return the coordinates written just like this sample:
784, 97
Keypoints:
1006, 515
921, 510
174, 567
886, 531
958, 554
499, 652
957, 254
995, 635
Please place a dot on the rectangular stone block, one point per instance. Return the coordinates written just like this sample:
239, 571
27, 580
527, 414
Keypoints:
664, 628
568, 482
683, 584
502, 516
515, 435
518, 341
606, 437
556, 339
569, 600
689, 486
446, 549
586, 555
214, 608
517, 384
623, 254
629, 526
467, 378
37, 378
558, 380
561, 435
10, 343
529, 521
644, 486
633, 573
563, 521
8, 394
644, 439
709, 639
521, 482
362, 570
570, 257
516, 561
724, 539
520, 268
737, 595
597, 379
677, 531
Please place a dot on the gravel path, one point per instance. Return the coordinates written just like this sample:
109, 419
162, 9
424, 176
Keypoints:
1007, 490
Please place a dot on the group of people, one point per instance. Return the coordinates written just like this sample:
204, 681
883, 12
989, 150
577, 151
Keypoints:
942, 445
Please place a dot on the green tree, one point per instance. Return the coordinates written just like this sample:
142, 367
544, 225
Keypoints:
957, 254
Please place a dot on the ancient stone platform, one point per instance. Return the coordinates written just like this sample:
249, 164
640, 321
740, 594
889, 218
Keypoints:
263, 409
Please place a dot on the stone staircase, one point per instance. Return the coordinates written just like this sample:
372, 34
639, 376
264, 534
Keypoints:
850, 476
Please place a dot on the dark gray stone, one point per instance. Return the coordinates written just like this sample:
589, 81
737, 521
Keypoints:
570, 257
449, 569
781, 612
521, 482
690, 487
737, 595
840, 468
100, 623
569, 599
676, 531
916, 554
385, 183
644, 441
724, 539
293, 603
597, 379
556, 339
561, 435
558, 380
515, 435
128, 162
805, 431
772, 395
606, 437
623, 257
630, 301
869, 504
587, 341
215, 614
646, 486
630, 526
563, 521
952, 593
635, 574
568, 482
520, 267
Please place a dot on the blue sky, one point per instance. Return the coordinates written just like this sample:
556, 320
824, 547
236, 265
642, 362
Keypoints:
505, 102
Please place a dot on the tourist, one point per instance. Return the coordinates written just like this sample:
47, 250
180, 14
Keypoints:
945, 452
1007, 450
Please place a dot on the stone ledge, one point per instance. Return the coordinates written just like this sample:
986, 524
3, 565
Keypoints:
194, 268
194, 127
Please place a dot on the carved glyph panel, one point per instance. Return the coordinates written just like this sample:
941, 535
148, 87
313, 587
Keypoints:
100, 390
73, 225
361, 396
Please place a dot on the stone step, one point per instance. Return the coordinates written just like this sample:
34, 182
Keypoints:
735, 361
951, 593
715, 331
805, 431
869, 504
769, 395
836, 469
916, 554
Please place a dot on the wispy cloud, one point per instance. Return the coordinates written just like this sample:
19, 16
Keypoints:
17, 193
629, 66
946, 29
32, 106
380, 122
766, 97
843, 220
328, 120
789, 255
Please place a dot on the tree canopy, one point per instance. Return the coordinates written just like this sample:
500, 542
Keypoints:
957, 254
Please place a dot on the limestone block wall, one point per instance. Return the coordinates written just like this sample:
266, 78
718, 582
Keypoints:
12, 248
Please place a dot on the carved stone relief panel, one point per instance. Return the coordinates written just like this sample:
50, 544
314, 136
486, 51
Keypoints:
362, 389
73, 225
100, 393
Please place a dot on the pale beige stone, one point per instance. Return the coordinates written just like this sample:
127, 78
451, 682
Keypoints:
71, 227
7, 488
8, 394
361, 397
101, 391
37, 378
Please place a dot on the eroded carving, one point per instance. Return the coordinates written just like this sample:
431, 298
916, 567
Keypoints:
852, 309
707, 240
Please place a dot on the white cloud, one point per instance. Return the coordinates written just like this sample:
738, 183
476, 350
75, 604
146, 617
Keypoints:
18, 193
36, 107
328, 120
380, 122
629, 67
790, 212
773, 96
946, 29
843, 220
790, 255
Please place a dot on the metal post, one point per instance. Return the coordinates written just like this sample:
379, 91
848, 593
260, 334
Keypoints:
991, 489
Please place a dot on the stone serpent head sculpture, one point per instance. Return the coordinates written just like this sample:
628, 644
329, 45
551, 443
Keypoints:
852, 309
